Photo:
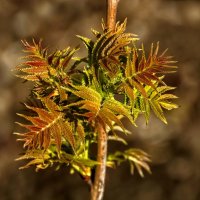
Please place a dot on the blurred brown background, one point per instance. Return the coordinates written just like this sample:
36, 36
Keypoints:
175, 148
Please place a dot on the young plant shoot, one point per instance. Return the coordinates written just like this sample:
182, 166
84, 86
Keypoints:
79, 103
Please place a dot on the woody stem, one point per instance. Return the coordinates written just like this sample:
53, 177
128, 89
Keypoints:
97, 189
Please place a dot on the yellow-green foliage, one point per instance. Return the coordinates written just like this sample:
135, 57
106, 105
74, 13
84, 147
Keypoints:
115, 80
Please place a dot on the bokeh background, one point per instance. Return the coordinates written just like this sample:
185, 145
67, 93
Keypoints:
175, 148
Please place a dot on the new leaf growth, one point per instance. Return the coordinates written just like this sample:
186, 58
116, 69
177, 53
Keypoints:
77, 97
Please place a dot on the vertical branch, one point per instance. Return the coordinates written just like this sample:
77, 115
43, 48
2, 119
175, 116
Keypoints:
111, 13
97, 189
100, 173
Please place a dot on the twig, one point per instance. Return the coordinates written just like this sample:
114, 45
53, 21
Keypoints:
111, 13
100, 173
97, 189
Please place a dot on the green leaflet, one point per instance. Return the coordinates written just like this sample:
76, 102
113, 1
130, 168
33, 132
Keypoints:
141, 71
104, 52
137, 158
168, 105
157, 101
47, 126
81, 132
43, 160
40, 66
155, 106
78, 97
108, 117
118, 108
39, 158
87, 93
88, 43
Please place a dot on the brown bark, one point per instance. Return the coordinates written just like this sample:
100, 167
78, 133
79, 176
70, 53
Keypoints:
97, 189
111, 13
100, 173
